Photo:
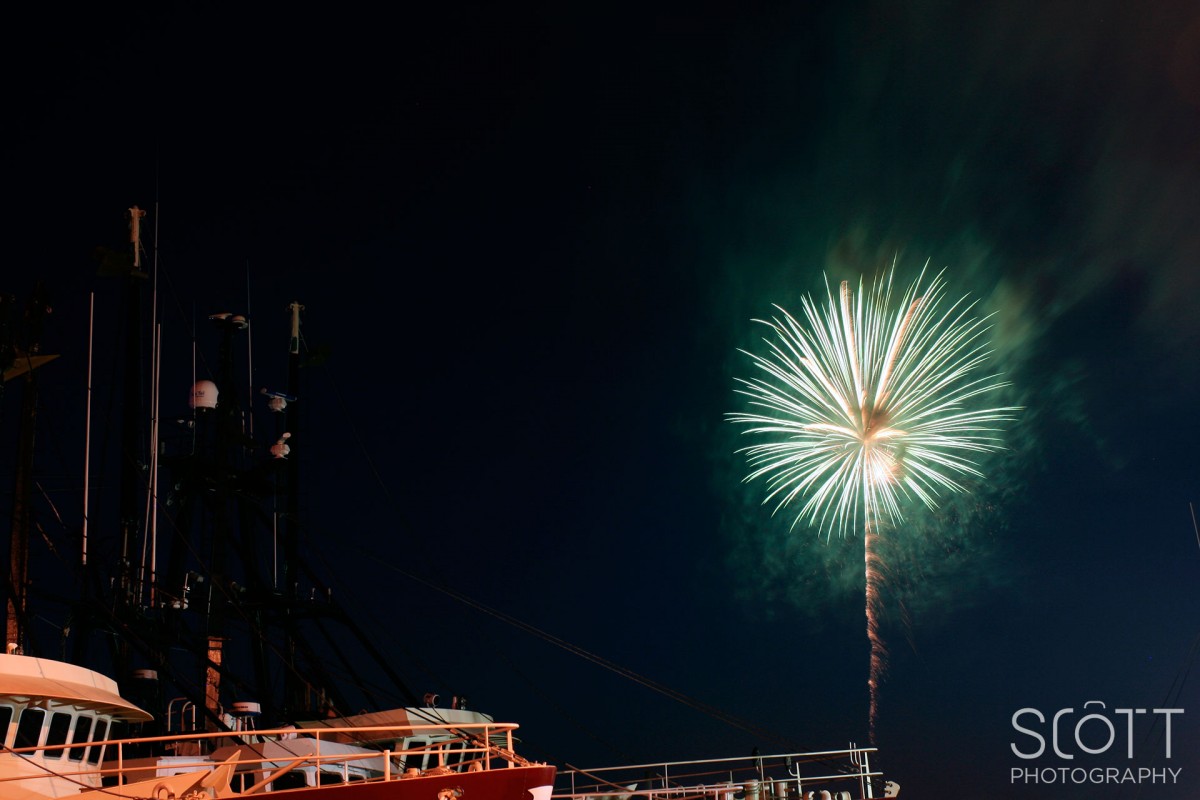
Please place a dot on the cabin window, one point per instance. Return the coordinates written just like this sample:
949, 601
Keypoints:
98, 735
416, 760
83, 727
29, 727
6, 714
291, 780
60, 725
242, 781
329, 778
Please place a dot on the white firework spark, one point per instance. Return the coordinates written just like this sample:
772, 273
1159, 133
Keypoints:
869, 404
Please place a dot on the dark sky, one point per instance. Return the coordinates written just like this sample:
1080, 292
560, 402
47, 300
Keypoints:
532, 241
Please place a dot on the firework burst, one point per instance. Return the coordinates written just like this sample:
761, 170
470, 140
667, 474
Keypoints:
868, 403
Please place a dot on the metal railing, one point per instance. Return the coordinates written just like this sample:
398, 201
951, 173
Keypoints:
785, 776
266, 755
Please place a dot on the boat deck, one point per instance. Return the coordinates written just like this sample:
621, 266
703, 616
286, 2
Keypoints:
252, 762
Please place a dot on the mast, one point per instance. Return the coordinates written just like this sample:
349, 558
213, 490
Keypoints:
23, 362
133, 462
87, 434
227, 504
294, 689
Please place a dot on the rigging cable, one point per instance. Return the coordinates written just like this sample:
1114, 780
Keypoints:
1175, 691
625, 672
559, 642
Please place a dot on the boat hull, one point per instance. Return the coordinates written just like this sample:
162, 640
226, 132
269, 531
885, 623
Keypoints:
514, 783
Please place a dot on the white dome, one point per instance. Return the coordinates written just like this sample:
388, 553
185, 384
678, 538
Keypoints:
204, 395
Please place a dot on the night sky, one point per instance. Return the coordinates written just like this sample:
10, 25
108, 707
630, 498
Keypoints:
531, 242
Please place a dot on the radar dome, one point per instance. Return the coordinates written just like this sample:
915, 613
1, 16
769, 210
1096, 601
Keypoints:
204, 395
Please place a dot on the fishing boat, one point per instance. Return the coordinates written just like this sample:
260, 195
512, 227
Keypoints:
60, 725
185, 666
188, 652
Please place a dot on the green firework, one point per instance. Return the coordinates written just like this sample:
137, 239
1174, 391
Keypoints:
869, 402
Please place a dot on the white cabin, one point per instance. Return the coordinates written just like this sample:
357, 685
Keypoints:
54, 718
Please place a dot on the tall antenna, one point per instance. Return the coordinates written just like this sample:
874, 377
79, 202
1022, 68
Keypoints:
1192, 508
133, 419
155, 386
249, 359
87, 429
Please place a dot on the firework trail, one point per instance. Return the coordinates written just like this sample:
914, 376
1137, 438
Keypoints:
865, 406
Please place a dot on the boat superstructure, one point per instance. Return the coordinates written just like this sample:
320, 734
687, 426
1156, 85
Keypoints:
61, 727
55, 719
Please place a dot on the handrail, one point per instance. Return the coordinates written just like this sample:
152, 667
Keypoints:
473, 741
756, 777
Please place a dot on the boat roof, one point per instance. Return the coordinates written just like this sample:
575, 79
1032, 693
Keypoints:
24, 676
403, 721
402, 717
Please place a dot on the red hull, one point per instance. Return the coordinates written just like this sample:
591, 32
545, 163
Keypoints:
513, 783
